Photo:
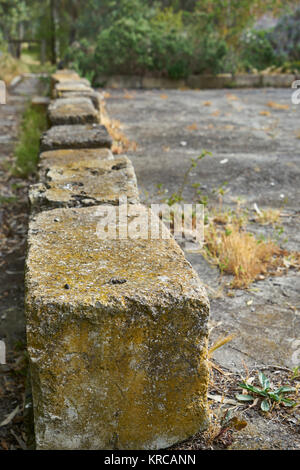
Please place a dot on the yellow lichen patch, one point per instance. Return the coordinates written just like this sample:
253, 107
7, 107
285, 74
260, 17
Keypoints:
72, 111
115, 365
78, 184
72, 159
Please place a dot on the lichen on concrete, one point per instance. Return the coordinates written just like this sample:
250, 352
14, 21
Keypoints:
75, 137
115, 365
75, 86
74, 110
84, 183
72, 159
94, 96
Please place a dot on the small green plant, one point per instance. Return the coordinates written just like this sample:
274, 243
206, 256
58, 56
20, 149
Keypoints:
269, 396
7, 199
26, 152
178, 196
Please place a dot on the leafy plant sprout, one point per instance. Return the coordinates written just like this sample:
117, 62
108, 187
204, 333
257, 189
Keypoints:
269, 396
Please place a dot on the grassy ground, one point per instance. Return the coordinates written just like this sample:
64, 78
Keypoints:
27, 150
11, 67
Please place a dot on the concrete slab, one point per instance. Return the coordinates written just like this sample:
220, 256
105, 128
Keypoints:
75, 137
73, 110
85, 183
116, 334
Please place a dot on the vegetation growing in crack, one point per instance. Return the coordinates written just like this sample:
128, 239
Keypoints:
27, 149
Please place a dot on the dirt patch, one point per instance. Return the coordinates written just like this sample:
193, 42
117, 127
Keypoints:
13, 230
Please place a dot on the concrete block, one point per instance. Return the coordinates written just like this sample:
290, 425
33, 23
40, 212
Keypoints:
75, 137
84, 183
73, 110
116, 334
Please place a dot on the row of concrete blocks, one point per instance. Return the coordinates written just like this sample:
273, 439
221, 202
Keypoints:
202, 82
116, 326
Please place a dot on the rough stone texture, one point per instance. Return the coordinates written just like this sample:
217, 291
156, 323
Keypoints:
94, 96
161, 82
247, 80
209, 81
68, 76
71, 159
85, 183
121, 81
117, 333
63, 76
76, 86
281, 80
225, 80
73, 110
75, 137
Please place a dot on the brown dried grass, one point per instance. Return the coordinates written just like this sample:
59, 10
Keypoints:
237, 252
121, 143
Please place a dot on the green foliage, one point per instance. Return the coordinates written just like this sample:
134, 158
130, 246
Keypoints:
173, 38
124, 47
145, 43
285, 37
210, 54
267, 394
159, 43
12, 12
81, 57
27, 149
257, 51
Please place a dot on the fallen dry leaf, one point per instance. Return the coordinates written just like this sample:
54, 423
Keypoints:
192, 127
4, 444
231, 97
127, 96
207, 103
265, 113
274, 105
164, 97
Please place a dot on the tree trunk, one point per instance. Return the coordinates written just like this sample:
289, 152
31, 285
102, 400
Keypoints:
53, 32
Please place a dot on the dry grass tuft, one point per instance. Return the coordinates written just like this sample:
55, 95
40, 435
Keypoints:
231, 97
268, 217
239, 253
219, 343
265, 113
192, 127
121, 143
11, 67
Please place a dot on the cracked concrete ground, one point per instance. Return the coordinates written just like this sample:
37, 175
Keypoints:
257, 154
255, 148
254, 137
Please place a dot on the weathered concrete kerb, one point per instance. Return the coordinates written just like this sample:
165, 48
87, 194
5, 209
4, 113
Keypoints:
116, 328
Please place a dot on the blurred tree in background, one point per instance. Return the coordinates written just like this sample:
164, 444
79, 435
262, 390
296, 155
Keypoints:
173, 38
